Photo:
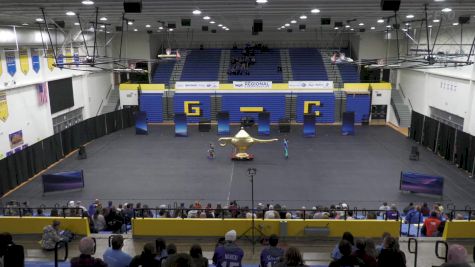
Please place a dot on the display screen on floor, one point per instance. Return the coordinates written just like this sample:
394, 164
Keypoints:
223, 123
61, 94
421, 183
63, 181
264, 123
181, 126
348, 124
309, 125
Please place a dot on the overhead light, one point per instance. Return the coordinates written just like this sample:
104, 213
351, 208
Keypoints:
347, 26
430, 26
436, 20
227, 29
103, 26
147, 26
135, 30
261, 1
410, 16
130, 23
380, 20
455, 23
373, 28
76, 23
446, 10
293, 21
170, 30
352, 29
196, 12
108, 32
70, 13
103, 19
39, 20
336, 28
25, 24
279, 29
160, 28
206, 18
287, 25
303, 17
315, 11
388, 26
87, 2
361, 24
439, 0
220, 25
212, 22
404, 30
407, 24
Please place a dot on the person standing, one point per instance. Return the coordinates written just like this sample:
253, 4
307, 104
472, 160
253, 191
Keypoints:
115, 257
228, 254
286, 148
272, 254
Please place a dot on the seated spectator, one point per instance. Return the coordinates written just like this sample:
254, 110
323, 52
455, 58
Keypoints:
196, 254
371, 216
292, 257
114, 221
99, 221
384, 208
182, 260
161, 247
390, 255
114, 256
171, 253
40, 212
425, 209
12, 254
408, 208
346, 259
349, 215
51, 235
271, 255
392, 213
85, 259
431, 225
228, 254
362, 255
146, 258
270, 214
336, 254
371, 248
26, 210
414, 216
381, 246
456, 257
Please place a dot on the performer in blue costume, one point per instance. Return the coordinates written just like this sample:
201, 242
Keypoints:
211, 153
286, 148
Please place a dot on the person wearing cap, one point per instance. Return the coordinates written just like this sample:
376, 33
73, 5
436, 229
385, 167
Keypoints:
51, 235
229, 254
272, 254
147, 258
114, 256
85, 259
456, 257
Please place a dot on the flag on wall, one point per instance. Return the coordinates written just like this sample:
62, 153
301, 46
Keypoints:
60, 61
42, 89
76, 56
11, 62
35, 59
3, 106
24, 60
50, 59
69, 55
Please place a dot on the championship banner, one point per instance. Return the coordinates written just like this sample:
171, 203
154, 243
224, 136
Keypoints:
69, 55
76, 57
310, 84
197, 85
50, 59
11, 62
252, 85
24, 61
60, 61
1, 64
3, 106
35, 59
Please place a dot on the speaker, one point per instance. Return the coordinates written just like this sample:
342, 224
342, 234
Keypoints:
284, 125
61, 23
204, 28
362, 30
82, 152
290, 30
185, 22
149, 31
171, 26
257, 26
464, 20
118, 28
390, 5
326, 21
338, 24
213, 31
302, 27
133, 6
204, 126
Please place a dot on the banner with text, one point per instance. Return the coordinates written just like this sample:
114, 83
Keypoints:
197, 85
252, 85
310, 84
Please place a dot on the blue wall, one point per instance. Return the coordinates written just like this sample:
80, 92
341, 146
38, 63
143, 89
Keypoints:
327, 106
205, 105
152, 104
273, 103
360, 104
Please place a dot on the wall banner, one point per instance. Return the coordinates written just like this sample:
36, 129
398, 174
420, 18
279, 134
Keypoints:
76, 56
24, 60
197, 85
35, 59
310, 84
3, 106
1, 65
50, 59
252, 85
60, 61
11, 62
69, 55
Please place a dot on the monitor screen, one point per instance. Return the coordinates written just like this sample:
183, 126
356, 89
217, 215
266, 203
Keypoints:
61, 94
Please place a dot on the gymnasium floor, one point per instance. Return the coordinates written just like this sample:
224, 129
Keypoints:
361, 170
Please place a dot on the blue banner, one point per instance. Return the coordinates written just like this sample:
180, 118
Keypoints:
181, 126
263, 121
60, 61
62, 181
421, 183
35, 60
309, 129
11, 62
141, 126
223, 123
76, 59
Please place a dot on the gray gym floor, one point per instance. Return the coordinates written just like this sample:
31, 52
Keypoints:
159, 168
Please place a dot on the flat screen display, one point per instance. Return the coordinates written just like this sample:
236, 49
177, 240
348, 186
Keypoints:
61, 94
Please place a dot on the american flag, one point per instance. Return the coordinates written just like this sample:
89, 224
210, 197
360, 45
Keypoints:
42, 93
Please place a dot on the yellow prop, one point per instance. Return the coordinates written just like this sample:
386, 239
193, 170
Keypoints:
242, 141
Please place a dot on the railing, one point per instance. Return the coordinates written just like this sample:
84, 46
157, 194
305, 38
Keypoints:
393, 105
446, 246
102, 101
66, 252
404, 95
413, 251
27, 211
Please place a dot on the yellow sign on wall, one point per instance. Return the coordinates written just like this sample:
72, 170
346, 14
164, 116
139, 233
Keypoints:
192, 108
50, 59
307, 108
24, 60
69, 55
3, 106
1, 65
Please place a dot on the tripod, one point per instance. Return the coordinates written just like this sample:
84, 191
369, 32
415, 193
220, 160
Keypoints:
251, 172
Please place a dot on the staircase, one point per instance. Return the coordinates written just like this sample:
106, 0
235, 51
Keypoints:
286, 65
112, 101
401, 109
224, 65
178, 69
332, 70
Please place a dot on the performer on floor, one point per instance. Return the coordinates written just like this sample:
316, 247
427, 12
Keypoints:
211, 153
286, 148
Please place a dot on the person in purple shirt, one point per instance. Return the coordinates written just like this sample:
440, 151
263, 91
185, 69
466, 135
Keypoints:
272, 254
229, 254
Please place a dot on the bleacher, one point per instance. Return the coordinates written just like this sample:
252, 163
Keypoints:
265, 68
164, 71
307, 65
349, 72
201, 65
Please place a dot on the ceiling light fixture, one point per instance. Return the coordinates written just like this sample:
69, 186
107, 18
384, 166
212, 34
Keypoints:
407, 24
410, 16
220, 25
315, 11
373, 28
455, 23
160, 28
39, 20
196, 12
70, 13
352, 29
303, 17
347, 26
430, 26
147, 26
388, 26
293, 21
103, 19
103, 26
130, 23
170, 30
287, 25
261, 1
25, 24
227, 29
447, 9
436, 20
380, 20
361, 24
76, 23
206, 18
212, 22
87, 2
135, 30
336, 28
404, 30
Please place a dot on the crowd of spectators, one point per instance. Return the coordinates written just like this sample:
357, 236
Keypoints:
240, 65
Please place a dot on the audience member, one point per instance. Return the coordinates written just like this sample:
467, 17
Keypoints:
371, 248
408, 208
336, 254
391, 255
414, 216
456, 257
196, 254
85, 259
346, 258
98, 221
384, 208
381, 245
114, 221
292, 258
431, 225
182, 260
146, 258
362, 255
171, 254
51, 235
11, 254
272, 254
392, 213
114, 256
425, 209
161, 247
228, 254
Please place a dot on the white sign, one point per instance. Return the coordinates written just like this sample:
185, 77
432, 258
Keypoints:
252, 85
197, 85
310, 85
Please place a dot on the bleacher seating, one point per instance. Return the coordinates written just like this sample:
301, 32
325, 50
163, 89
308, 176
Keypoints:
349, 72
202, 65
265, 68
307, 65
164, 71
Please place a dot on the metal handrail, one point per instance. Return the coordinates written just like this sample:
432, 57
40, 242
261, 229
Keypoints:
66, 251
443, 257
404, 95
21, 214
102, 101
393, 105
415, 251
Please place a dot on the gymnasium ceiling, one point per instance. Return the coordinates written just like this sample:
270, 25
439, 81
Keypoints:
237, 15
